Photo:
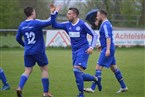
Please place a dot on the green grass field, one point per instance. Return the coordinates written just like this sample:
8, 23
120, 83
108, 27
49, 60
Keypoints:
131, 62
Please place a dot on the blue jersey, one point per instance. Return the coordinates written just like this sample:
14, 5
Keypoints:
106, 32
77, 32
33, 37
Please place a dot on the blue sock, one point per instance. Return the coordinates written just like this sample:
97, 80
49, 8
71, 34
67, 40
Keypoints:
3, 77
79, 80
45, 83
119, 77
98, 75
88, 77
23, 80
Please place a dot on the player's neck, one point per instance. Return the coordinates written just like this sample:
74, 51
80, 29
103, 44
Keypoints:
104, 19
30, 18
74, 21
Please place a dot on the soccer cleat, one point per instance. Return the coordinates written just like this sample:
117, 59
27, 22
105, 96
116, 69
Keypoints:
47, 95
89, 90
122, 90
5, 87
19, 93
80, 95
98, 82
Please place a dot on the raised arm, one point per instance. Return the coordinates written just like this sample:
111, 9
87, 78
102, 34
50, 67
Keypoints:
19, 37
43, 23
56, 24
54, 12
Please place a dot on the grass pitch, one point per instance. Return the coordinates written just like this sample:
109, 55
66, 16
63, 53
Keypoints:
130, 61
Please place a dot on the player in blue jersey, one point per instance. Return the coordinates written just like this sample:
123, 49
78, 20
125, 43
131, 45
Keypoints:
3, 78
107, 55
31, 30
77, 30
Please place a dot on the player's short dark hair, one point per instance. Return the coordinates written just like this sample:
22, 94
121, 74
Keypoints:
75, 10
28, 11
103, 12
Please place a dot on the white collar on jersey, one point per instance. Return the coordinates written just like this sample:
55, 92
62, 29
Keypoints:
28, 19
104, 22
76, 22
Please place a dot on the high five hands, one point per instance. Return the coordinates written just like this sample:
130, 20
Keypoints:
54, 8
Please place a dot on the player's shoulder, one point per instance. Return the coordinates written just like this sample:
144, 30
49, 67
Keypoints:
106, 23
22, 24
39, 20
83, 23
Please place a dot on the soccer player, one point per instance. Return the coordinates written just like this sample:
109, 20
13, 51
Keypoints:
6, 86
31, 30
107, 55
77, 30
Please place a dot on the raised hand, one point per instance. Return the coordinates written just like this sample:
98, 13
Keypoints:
58, 7
52, 8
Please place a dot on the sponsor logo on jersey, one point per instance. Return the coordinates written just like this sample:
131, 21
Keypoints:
78, 28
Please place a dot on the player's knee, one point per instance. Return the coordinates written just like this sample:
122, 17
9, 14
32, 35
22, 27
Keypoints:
76, 70
28, 71
113, 68
98, 67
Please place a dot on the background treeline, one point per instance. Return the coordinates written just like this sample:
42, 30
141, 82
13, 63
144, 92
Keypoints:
126, 13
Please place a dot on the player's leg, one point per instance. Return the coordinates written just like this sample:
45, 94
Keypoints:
6, 86
78, 72
45, 81
29, 63
98, 74
23, 79
119, 77
42, 61
80, 63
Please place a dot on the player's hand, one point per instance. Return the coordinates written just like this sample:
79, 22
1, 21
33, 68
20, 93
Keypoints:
98, 48
52, 8
89, 50
107, 54
58, 7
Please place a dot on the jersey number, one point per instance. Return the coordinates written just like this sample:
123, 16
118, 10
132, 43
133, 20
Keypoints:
31, 37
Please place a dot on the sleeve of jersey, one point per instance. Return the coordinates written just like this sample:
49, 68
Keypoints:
44, 23
19, 38
55, 24
94, 35
107, 31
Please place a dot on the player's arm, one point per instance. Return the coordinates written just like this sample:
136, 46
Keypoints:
108, 40
94, 35
54, 12
44, 23
56, 24
19, 37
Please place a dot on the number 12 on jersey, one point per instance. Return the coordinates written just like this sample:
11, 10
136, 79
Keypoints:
31, 37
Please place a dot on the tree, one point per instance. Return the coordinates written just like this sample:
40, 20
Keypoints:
142, 20
9, 13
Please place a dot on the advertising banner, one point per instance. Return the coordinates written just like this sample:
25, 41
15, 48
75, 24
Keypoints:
59, 38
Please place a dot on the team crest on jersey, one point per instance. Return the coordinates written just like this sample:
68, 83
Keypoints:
78, 28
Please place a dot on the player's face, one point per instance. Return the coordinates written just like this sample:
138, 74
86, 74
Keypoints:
98, 16
70, 15
34, 14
